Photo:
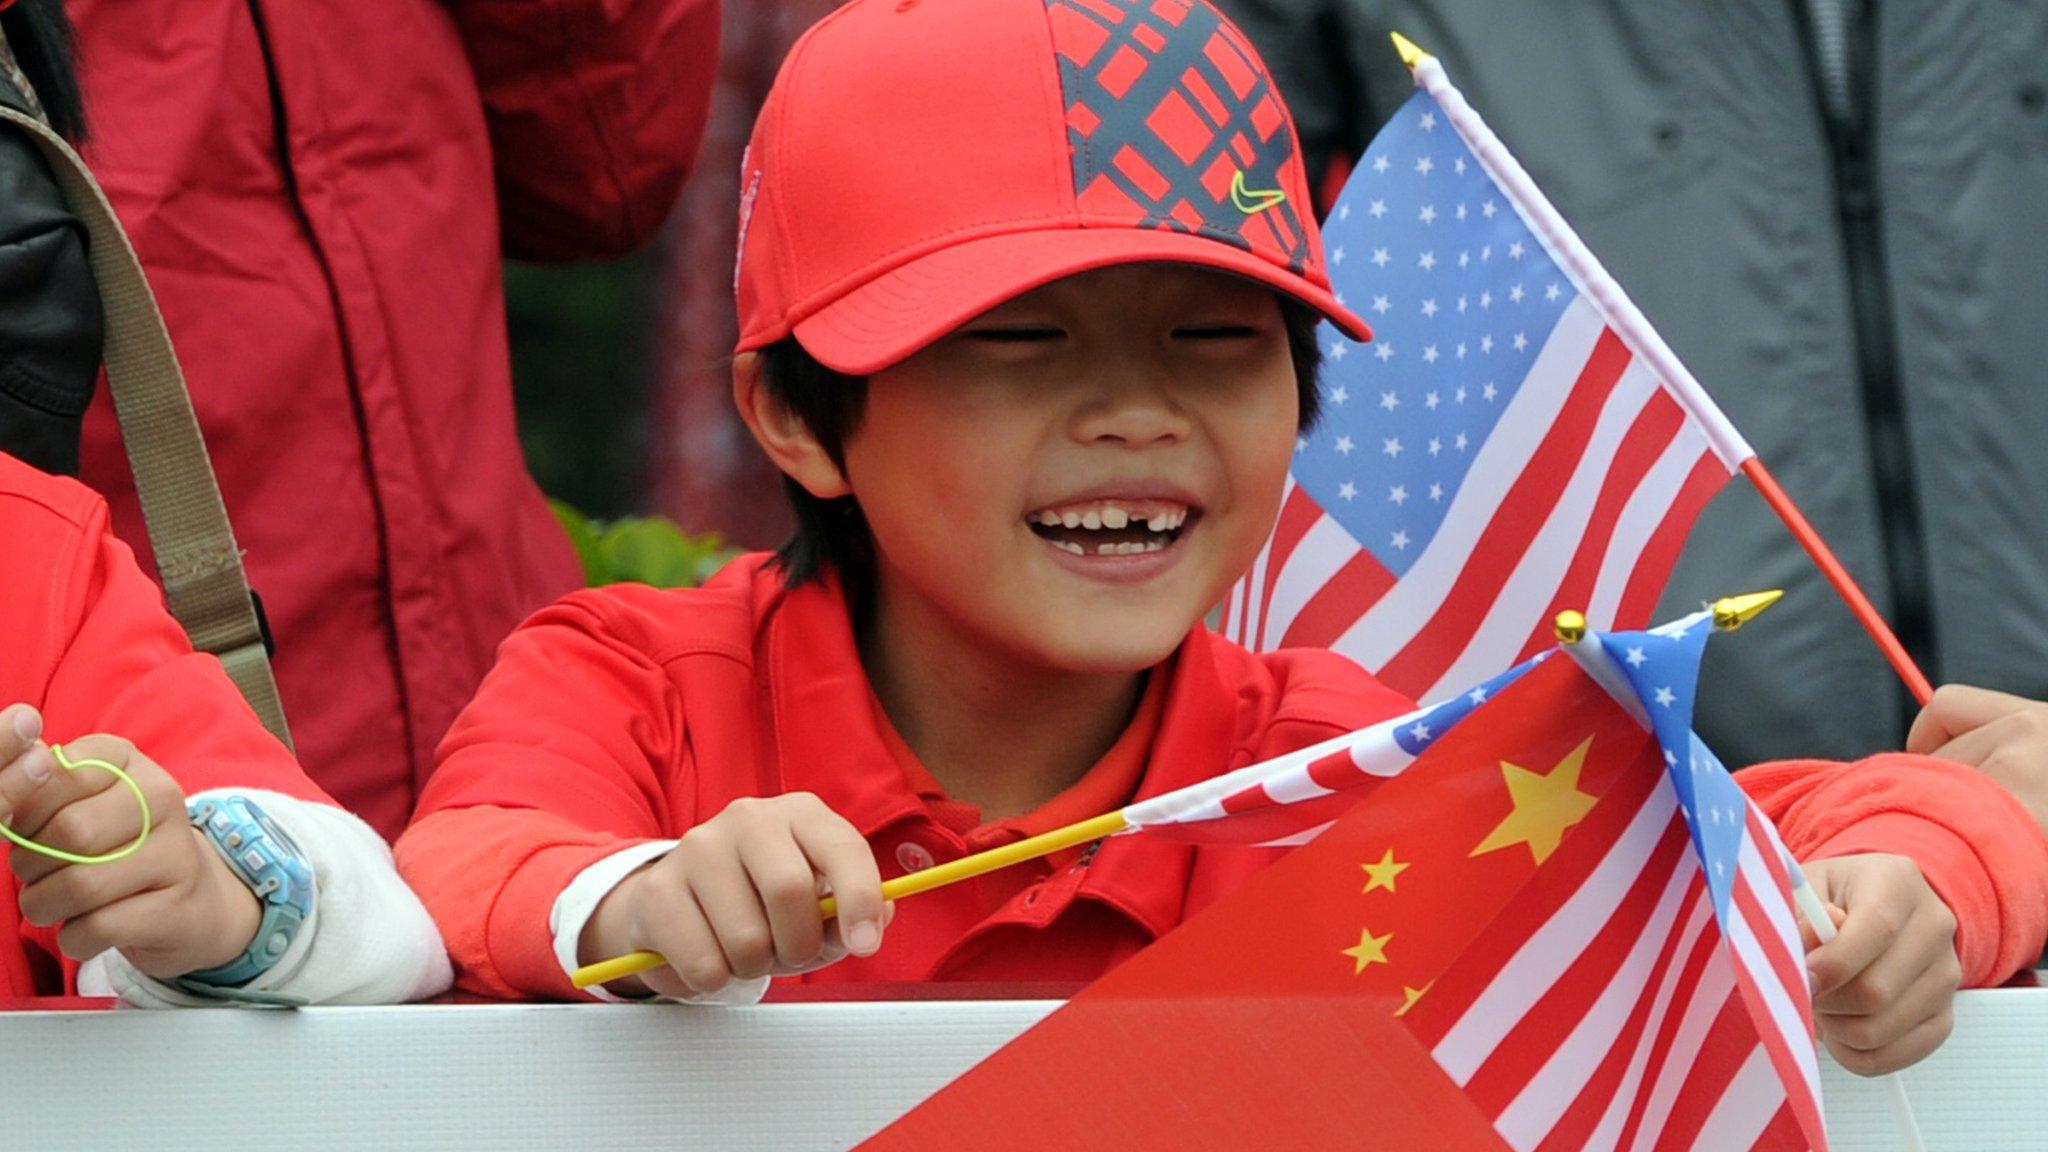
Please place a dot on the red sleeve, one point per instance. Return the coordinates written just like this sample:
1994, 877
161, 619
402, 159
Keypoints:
1978, 847
560, 760
595, 108
125, 667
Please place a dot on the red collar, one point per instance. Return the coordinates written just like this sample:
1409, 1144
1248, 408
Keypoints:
832, 740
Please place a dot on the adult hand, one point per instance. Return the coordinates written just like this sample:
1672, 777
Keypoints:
2002, 735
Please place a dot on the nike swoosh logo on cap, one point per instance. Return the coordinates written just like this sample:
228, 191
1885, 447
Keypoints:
1252, 201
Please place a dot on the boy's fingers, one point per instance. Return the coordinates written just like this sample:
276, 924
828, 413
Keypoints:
135, 925
20, 778
788, 890
725, 894
1916, 1045
59, 788
20, 727
1929, 995
1957, 709
696, 964
1859, 940
842, 856
88, 826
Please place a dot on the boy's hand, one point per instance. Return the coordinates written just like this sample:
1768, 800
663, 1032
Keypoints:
1883, 988
172, 907
738, 898
2004, 736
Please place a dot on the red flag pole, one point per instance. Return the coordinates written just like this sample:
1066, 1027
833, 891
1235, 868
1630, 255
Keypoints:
1845, 584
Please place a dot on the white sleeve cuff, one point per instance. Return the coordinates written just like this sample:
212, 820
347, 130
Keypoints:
369, 940
578, 902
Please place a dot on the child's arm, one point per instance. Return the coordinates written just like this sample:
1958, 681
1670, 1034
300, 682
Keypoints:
565, 764
121, 664
1941, 876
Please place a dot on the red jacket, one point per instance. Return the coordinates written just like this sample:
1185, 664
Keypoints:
316, 190
88, 641
626, 714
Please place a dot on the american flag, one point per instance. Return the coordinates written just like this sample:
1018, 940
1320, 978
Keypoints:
1294, 798
1644, 987
1517, 439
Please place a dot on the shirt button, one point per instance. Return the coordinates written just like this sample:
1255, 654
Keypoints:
913, 857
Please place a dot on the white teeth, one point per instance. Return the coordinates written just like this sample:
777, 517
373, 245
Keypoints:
1110, 515
1132, 548
1070, 546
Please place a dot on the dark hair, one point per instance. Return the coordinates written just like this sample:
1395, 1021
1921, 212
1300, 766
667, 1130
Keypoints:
833, 533
40, 34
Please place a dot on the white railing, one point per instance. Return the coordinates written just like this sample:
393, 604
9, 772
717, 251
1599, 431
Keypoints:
498, 1078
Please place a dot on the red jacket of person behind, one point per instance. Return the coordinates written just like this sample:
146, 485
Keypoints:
316, 191
84, 636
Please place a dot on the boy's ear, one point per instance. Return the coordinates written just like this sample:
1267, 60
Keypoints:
782, 433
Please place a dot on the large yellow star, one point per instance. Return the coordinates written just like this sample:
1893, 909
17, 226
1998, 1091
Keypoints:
1371, 950
1546, 804
1381, 875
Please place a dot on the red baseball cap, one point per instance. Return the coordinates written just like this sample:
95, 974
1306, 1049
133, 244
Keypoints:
919, 162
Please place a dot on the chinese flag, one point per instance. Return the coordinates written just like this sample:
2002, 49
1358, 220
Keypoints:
1287, 1015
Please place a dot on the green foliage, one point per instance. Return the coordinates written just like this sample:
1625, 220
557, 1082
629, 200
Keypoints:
643, 549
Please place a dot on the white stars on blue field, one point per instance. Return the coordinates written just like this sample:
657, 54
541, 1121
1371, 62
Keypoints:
1461, 295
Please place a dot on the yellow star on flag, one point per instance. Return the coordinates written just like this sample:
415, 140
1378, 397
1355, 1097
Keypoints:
1410, 995
1371, 950
1546, 805
1381, 875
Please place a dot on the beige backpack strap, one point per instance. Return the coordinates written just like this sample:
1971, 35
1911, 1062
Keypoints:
188, 526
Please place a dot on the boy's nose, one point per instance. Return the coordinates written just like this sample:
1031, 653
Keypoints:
1135, 416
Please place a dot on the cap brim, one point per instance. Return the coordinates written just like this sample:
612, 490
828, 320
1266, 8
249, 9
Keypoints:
896, 314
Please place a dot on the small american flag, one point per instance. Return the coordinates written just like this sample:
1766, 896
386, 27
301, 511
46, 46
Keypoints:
1517, 439
1643, 987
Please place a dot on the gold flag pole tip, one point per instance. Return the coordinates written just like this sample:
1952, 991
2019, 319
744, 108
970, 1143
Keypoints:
1571, 627
1410, 54
1732, 612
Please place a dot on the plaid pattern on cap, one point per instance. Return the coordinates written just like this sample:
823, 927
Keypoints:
1174, 124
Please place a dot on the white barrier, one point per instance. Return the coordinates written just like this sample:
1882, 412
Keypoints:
495, 1078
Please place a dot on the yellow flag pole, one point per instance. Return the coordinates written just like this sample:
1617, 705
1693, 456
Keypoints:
938, 876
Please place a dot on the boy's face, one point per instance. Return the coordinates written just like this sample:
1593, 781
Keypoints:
1075, 478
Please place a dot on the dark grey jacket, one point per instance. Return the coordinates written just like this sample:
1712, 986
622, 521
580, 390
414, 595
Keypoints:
51, 328
1868, 301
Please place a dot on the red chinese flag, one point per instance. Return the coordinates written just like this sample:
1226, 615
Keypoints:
1273, 1019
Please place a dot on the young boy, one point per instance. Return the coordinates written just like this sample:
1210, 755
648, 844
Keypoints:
90, 650
1026, 291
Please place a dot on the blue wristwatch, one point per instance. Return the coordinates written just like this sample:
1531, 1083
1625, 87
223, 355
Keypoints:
273, 867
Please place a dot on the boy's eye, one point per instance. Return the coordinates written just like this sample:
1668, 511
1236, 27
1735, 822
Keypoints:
1018, 334
1217, 332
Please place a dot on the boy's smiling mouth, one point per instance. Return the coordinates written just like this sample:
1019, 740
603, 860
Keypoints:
1112, 526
